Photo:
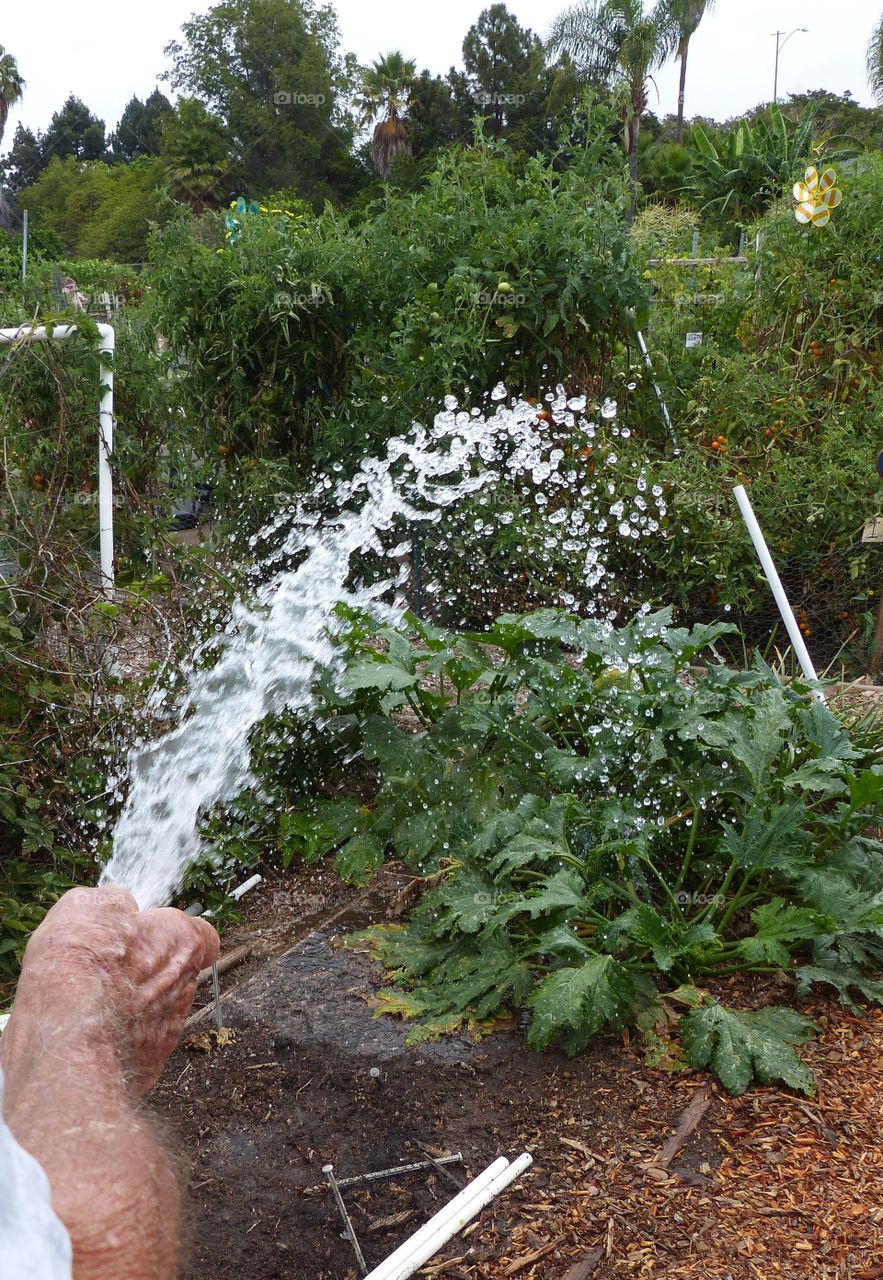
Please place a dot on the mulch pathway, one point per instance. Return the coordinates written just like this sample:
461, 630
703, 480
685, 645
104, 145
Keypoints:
795, 1189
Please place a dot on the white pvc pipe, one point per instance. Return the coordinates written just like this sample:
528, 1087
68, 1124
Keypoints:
42, 333
446, 1213
235, 894
436, 1233
245, 888
105, 451
453, 1226
642, 347
777, 589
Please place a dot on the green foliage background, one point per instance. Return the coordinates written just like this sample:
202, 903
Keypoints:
311, 335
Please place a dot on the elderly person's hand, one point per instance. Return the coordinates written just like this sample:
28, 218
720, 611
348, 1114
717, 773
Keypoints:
107, 977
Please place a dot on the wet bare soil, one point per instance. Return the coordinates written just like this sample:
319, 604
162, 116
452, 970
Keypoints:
258, 1117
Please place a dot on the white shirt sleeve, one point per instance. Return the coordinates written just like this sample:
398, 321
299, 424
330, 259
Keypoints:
34, 1245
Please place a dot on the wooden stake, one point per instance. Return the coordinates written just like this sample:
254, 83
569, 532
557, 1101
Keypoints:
690, 1120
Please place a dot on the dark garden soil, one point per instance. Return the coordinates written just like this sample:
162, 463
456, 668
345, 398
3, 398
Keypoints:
769, 1186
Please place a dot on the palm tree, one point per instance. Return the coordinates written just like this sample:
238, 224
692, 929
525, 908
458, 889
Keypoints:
11, 86
619, 44
195, 151
384, 90
686, 16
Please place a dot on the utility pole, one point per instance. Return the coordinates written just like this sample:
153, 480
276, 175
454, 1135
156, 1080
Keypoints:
780, 45
24, 246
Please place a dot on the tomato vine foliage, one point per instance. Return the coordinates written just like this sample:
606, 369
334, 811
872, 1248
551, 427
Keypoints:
316, 337
602, 825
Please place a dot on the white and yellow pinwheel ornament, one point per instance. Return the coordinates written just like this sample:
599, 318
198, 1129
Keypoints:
816, 196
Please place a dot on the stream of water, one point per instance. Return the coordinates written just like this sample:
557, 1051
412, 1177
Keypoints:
277, 642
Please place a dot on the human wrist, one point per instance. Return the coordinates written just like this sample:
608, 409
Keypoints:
46, 1036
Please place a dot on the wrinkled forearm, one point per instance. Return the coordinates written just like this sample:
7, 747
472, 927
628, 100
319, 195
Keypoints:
112, 1187
103, 995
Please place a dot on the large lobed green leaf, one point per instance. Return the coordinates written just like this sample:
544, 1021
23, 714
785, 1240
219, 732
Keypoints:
740, 1046
571, 1006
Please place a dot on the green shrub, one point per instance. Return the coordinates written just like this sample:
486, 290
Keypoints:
315, 338
783, 394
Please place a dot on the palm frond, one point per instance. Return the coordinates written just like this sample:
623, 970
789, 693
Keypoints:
385, 87
875, 61
612, 39
585, 35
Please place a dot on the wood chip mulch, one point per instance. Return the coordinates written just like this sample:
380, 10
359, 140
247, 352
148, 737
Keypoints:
773, 1185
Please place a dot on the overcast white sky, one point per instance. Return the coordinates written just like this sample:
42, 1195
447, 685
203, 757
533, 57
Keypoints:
105, 53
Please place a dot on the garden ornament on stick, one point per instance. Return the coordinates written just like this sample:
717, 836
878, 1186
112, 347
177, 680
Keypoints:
238, 209
816, 196
231, 220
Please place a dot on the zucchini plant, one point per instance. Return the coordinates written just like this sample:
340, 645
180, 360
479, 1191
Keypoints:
605, 826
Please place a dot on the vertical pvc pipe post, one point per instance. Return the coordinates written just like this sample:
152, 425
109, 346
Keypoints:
105, 450
642, 345
777, 589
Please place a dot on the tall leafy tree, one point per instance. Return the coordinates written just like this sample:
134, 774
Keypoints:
504, 62
384, 90
25, 160
97, 210
11, 86
74, 131
139, 132
686, 16
272, 72
440, 111
119, 227
618, 43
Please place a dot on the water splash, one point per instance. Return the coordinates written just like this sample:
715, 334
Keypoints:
275, 645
